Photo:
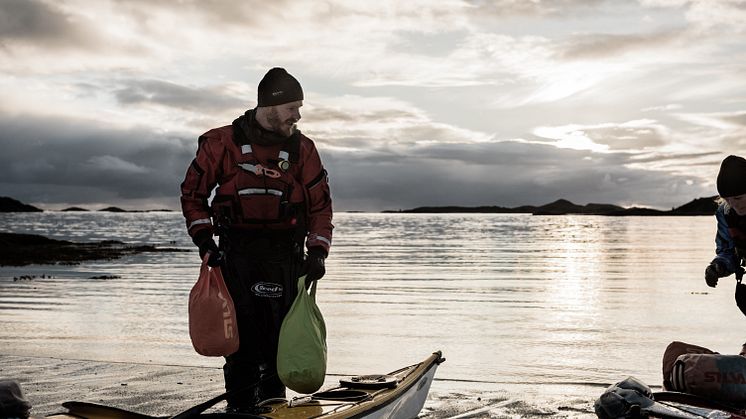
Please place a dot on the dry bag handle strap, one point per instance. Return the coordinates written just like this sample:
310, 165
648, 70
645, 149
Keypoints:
311, 290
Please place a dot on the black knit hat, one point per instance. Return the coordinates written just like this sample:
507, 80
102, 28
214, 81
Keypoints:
278, 87
732, 177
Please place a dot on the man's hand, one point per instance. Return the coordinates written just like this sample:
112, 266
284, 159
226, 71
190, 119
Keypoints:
714, 271
313, 267
207, 245
216, 258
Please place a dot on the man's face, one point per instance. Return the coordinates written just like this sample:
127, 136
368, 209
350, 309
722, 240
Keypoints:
282, 118
738, 203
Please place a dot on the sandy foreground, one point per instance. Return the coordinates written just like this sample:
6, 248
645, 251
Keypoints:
151, 389
163, 390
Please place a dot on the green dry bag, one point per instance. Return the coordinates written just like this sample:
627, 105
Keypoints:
301, 351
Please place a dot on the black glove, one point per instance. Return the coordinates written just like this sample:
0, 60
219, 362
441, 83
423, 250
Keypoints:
313, 267
203, 239
714, 271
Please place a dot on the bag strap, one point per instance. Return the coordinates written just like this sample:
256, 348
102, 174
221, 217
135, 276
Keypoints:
302, 287
313, 290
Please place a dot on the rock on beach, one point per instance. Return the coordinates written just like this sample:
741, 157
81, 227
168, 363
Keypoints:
27, 249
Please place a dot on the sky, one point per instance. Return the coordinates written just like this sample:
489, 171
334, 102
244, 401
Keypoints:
410, 103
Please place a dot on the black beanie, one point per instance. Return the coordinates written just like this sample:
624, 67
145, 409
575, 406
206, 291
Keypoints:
278, 87
732, 177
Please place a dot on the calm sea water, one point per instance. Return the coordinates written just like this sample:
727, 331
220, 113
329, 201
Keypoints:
513, 301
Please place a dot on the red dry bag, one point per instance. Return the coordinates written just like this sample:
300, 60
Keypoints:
212, 316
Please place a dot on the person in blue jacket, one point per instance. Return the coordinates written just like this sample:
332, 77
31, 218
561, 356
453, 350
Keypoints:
730, 240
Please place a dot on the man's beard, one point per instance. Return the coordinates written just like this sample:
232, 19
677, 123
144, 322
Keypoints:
284, 128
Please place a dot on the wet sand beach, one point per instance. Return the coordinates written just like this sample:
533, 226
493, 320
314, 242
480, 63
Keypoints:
164, 390
151, 389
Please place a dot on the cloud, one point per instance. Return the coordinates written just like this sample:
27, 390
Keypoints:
632, 136
379, 125
718, 16
667, 107
503, 173
108, 163
34, 31
165, 93
738, 118
723, 131
400, 158
512, 8
140, 36
89, 161
33, 21
598, 45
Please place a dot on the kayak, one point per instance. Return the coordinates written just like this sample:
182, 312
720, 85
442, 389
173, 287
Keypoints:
400, 394
698, 406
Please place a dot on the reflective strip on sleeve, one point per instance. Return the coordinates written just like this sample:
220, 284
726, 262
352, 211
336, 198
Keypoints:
246, 149
198, 222
259, 191
321, 239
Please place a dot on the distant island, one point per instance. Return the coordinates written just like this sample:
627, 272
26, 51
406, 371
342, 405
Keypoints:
699, 206
11, 205
8, 204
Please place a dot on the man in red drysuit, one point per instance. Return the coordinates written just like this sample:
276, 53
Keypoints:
272, 197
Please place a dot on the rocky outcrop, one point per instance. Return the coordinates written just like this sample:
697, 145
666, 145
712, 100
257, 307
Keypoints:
27, 249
